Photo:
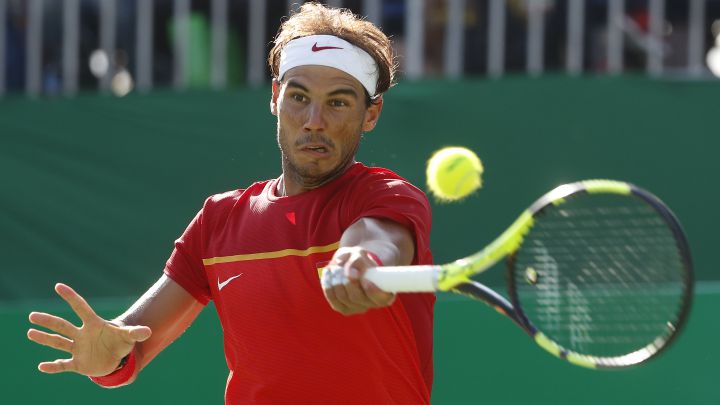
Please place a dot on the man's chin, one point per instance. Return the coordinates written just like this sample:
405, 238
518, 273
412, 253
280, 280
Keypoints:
317, 166
315, 174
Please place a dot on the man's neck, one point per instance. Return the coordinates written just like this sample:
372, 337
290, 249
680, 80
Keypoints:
289, 185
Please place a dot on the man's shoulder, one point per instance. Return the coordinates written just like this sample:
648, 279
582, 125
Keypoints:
377, 172
229, 198
230, 195
384, 178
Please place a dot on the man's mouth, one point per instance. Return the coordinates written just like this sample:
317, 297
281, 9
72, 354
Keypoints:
316, 149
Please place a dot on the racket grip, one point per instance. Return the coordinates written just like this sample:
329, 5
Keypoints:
404, 278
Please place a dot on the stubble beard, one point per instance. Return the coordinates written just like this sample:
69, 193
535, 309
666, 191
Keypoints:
306, 177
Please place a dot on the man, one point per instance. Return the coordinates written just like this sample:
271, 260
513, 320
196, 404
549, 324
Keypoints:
257, 252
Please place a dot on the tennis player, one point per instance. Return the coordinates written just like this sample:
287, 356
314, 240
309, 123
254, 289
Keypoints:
258, 252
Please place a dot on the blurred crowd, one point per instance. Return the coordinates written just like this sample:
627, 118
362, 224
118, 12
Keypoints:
635, 27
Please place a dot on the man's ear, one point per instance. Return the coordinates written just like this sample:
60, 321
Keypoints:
274, 98
372, 115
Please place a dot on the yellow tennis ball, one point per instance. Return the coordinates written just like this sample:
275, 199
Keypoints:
454, 173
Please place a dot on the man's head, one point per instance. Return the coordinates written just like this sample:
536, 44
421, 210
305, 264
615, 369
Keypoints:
330, 69
316, 19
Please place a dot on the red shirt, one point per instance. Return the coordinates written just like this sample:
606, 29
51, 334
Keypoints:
258, 256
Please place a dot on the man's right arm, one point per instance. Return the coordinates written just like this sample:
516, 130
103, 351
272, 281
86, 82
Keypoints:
160, 316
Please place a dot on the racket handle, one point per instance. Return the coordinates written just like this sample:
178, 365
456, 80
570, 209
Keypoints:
404, 278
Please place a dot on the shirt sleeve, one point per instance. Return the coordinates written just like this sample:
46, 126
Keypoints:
399, 201
185, 265
395, 199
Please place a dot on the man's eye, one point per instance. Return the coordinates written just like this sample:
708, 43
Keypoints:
298, 97
338, 103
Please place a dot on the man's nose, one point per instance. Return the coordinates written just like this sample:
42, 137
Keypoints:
315, 120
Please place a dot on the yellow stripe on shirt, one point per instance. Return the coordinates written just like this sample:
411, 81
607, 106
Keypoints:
272, 255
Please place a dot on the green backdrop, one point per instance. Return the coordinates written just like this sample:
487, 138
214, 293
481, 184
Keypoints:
95, 189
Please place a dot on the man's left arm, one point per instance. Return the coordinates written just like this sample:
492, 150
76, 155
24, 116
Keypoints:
368, 242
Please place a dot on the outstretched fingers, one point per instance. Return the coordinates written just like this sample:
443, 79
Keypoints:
139, 333
57, 366
76, 302
54, 323
132, 334
50, 340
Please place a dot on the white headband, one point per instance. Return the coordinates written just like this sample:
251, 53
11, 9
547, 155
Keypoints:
329, 50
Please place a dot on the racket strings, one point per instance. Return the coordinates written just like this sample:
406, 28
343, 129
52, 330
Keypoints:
600, 276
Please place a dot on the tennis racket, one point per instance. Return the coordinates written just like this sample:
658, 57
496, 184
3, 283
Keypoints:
599, 273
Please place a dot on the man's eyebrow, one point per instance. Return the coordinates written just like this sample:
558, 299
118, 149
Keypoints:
343, 91
297, 85
347, 92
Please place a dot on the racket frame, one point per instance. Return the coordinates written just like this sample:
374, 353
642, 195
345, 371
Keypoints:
456, 276
559, 196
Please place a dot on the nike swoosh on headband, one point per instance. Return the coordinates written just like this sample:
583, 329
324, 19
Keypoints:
316, 48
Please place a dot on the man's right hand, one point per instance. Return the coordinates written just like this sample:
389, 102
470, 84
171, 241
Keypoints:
97, 347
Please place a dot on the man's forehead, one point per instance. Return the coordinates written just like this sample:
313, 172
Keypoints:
321, 76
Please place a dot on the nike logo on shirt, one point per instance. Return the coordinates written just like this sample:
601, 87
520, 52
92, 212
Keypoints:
316, 48
226, 282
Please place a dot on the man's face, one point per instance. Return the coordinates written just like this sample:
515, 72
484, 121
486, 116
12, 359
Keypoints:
321, 116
